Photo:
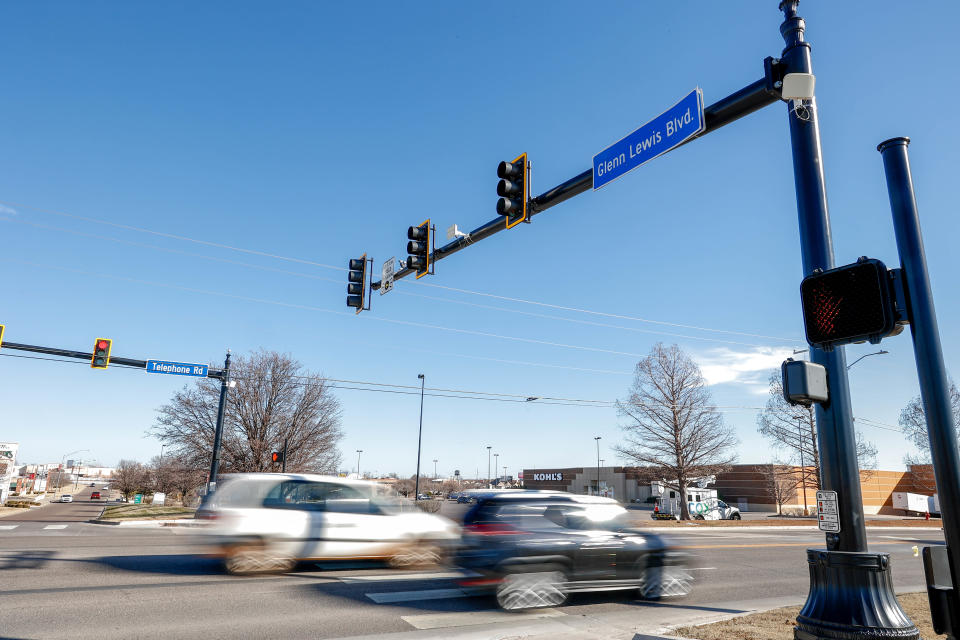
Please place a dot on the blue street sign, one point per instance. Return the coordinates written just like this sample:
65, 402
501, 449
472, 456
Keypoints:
675, 126
177, 368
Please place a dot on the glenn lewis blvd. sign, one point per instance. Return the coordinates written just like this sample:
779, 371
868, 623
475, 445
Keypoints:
176, 368
675, 126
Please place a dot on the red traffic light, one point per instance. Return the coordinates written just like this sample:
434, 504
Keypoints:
101, 353
848, 304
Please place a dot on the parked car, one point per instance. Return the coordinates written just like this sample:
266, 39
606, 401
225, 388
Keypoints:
92, 484
95, 495
464, 498
66, 498
268, 521
534, 548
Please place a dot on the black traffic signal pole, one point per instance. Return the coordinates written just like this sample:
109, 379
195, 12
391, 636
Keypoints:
928, 354
851, 590
755, 96
82, 355
218, 432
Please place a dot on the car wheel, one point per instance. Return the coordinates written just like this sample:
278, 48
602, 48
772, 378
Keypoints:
249, 559
658, 581
529, 588
735, 516
698, 517
415, 555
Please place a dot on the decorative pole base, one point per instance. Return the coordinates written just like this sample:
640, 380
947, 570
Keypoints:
851, 598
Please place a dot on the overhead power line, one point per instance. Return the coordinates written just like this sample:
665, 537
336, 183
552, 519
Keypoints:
327, 266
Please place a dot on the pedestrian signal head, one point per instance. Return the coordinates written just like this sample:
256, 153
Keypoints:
848, 304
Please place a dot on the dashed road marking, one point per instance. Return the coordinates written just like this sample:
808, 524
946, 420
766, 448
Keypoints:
55, 526
8, 527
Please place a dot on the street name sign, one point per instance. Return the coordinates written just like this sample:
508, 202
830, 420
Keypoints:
828, 514
671, 128
176, 368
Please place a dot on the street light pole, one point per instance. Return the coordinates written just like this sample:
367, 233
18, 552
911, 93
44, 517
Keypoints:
875, 353
803, 467
597, 440
359, 451
160, 466
416, 485
496, 464
434, 468
488, 466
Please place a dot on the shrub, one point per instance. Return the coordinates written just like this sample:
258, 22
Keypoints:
430, 506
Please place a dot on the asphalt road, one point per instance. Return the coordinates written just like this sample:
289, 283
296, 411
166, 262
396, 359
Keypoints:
79, 580
80, 510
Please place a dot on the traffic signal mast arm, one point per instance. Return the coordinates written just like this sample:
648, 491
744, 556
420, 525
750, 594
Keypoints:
761, 93
81, 355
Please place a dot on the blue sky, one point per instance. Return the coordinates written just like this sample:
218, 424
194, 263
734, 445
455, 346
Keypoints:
319, 131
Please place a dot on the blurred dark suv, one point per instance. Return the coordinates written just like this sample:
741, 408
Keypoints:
533, 548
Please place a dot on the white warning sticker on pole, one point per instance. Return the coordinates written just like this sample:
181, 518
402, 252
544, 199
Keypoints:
828, 512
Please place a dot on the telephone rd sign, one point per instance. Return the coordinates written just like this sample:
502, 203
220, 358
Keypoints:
828, 515
176, 368
675, 126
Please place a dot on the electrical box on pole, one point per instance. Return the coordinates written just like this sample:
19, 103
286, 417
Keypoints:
357, 292
419, 248
514, 190
101, 353
852, 303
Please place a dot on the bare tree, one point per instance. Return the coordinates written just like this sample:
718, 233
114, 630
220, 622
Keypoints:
792, 430
131, 477
673, 425
274, 401
784, 481
913, 422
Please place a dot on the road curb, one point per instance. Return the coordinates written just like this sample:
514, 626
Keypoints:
146, 523
97, 521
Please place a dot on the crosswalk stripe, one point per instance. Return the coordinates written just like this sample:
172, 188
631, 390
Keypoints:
435, 575
55, 526
467, 618
413, 596
8, 527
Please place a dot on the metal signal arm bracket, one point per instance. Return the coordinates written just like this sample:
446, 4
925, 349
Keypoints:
899, 295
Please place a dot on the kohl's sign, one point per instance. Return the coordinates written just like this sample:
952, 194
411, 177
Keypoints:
548, 476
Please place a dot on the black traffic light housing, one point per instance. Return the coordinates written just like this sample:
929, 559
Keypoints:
101, 353
419, 248
853, 303
277, 457
514, 190
357, 290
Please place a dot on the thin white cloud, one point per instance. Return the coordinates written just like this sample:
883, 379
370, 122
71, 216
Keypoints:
7, 211
748, 367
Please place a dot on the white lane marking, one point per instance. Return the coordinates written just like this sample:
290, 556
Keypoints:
55, 526
413, 596
900, 538
701, 568
436, 575
467, 618
8, 527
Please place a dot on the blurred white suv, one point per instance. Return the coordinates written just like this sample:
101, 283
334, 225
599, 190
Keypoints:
268, 521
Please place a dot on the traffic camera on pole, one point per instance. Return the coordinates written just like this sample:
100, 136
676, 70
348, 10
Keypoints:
357, 291
853, 303
101, 353
513, 189
419, 247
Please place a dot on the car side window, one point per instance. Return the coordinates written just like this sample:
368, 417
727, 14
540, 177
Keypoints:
318, 496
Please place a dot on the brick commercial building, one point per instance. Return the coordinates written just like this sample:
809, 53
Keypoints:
751, 487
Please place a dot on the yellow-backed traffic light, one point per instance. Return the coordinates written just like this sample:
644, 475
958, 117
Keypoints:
419, 248
101, 353
357, 282
513, 189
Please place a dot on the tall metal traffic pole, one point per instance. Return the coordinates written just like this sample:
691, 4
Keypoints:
416, 486
218, 433
851, 591
597, 440
283, 464
927, 351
